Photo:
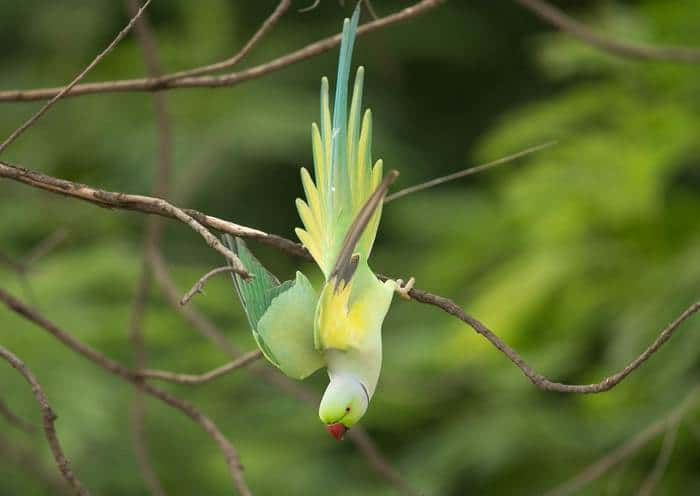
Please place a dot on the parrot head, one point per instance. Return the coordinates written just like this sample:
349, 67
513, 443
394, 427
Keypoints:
343, 404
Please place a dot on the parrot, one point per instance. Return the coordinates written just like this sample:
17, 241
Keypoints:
297, 329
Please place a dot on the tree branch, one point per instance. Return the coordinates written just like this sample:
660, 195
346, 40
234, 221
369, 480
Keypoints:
537, 379
49, 418
14, 419
153, 235
240, 55
198, 287
618, 455
117, 369
552, 15
230, 79
154, 206
466, 172
238, 363
65, 90
147, 204
207, 328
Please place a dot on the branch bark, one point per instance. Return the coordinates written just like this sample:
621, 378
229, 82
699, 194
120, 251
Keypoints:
117, 369
154, 206
65, 90
49, 417
238, 363
557, 18
618, 455
230, 79
196, 220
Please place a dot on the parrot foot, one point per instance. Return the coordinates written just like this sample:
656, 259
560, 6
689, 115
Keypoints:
404, 288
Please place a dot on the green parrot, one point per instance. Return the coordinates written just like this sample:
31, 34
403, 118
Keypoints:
297, 329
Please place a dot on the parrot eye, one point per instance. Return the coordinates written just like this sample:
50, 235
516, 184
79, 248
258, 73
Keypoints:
347, 408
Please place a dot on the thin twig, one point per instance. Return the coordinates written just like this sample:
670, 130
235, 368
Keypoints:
17, 132
662, 460
45, 246
49, 417
537, 379
14, 419
153, 234
230, 79
119, 370
596, 470
30, 462
192, 218
240, 55
208, 329
466, 172
154, 206
199, 285
560, 20
164, 375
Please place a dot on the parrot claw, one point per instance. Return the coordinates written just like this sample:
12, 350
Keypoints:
403, 289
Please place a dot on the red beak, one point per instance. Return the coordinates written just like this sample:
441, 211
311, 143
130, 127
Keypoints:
336, 430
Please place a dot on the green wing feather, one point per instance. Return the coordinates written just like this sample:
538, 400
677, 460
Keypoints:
343, 171
281, 315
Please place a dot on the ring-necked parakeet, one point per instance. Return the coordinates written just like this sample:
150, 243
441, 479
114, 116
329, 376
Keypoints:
298, 329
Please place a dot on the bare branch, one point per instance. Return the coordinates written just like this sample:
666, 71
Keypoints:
603, 465
295, 389
126, 201
163, 375
14, 419
229, 452
560, 20
198, 287
235, 59
49, 418
230, 79
537, 379
154, 228
466, 172
155, 206
45, 246
73, 83
662, 460
27, 460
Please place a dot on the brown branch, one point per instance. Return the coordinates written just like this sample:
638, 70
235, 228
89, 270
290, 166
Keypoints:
137, 410
49, 417
196, 220
238, 363
27, 460
230, 79
198, 287
662, 460
117, 369
45, 246
466, 172
235, 59
154, 206
154, 228
207, 328
30, 122
560, 20
537, 379
14, 419
596, 470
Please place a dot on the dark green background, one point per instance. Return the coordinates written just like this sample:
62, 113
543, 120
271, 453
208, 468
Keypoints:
577, 256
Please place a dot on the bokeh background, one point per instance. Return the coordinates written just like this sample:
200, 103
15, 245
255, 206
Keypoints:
577, 256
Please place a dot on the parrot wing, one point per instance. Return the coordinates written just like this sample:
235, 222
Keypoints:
281, 315
343, 171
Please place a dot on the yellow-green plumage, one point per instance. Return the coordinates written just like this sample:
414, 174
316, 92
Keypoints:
340, 215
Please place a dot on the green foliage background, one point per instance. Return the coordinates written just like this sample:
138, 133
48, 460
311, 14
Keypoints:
577, 256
